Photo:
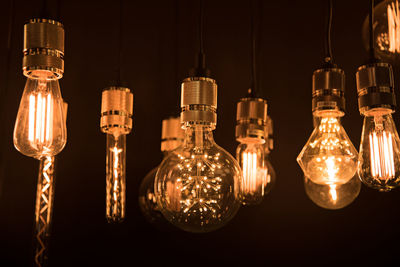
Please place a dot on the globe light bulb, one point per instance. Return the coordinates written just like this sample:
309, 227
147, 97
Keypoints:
116, 122
386, 31
40, 128
251, 132
197, 184
328, 157
171, 137
379, 159
333, 196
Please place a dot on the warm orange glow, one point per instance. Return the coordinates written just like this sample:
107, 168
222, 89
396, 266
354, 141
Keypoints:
333, 192
40, 119
250, 179
382, 160
393, 15
116, 173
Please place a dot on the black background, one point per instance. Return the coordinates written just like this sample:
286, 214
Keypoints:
287, 228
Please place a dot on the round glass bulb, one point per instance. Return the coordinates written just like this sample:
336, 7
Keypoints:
197, 184
333, 196
386, 31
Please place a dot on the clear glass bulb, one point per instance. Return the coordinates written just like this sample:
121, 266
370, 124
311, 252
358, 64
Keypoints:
40, 128
197, 185
251, 159
115, 177
333, 196
386, 31
270, 174
329, 157
379, 158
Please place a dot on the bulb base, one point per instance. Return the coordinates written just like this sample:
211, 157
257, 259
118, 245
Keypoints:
251, 120
328, 90
116, 110
270, 132
375, 87
43, 47
199, 102
172, 134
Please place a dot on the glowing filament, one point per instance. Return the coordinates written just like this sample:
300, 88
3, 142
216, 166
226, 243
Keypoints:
249, 168
382, 160
333, 192
394, 27
40, 119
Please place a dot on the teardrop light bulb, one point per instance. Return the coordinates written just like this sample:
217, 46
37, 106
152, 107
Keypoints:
40, 128
328, 157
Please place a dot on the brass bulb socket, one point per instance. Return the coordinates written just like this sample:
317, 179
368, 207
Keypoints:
116, 110
199, 102
375, 87
172, 134
328, 90
43, 47
251, 120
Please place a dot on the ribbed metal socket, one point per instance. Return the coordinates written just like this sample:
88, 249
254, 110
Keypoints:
43, 47
172, 134
328, 90
251, 120
269, 133
375, 87
116, 110
199, 101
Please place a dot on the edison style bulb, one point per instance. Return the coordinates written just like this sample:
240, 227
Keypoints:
379, 159
40, 128
329, 157
333, 196
386, 31
171, 137
197, 184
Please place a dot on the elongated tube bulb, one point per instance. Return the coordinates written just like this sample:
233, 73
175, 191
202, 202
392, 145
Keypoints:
379, 160
197, 184
116, 122
40, 128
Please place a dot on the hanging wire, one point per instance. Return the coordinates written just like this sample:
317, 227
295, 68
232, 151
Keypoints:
201, 22
120, 40
200, 70
176, 54
252, 92
371, 31
328, 44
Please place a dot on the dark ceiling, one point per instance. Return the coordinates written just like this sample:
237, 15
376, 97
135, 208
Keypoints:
287, 228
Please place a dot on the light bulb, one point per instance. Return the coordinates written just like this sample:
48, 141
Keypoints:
197, 184
379, 160
171, 138
40, 128
251, 132
116, 122
333, 196
270, 174
386, 31
329, 157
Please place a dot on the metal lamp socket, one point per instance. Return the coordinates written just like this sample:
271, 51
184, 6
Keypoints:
172, 134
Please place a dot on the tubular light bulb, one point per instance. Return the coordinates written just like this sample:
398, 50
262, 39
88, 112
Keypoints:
386, 31
329, 157
116, 122
197, 184
171, 138
333, 196
379, 160
40, 128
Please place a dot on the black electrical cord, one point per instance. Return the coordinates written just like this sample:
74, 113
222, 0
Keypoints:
120, 40
200, 70
328, 43
252, 92
176, 54
44, 13
372, 56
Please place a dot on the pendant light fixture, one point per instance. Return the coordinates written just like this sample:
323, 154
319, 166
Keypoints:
171, 137
379, 159
328, 157
252, 132
197, 184
116, 122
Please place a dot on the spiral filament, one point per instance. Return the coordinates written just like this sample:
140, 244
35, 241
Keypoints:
393, 15
382, 160
44, 208
115, 182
